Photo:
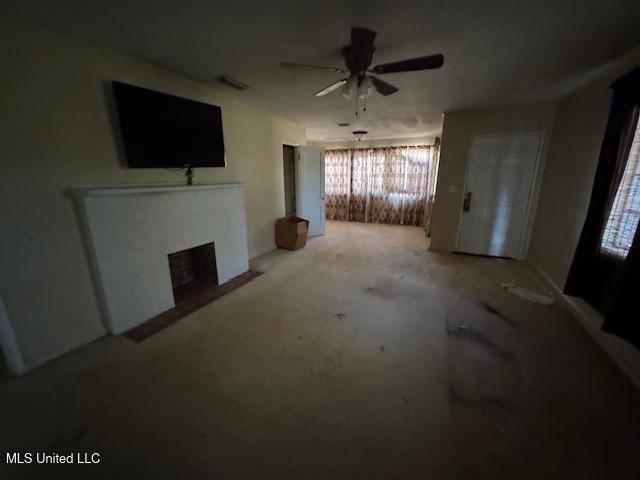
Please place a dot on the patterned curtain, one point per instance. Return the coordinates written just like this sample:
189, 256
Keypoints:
337, 184
382, 185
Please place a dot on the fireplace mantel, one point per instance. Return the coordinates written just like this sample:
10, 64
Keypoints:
130, 230
132, 189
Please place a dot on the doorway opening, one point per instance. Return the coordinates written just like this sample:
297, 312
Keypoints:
289, 164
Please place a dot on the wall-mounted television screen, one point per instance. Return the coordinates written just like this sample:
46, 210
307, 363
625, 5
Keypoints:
164, 131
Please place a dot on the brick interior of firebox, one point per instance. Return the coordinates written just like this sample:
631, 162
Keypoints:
192, 272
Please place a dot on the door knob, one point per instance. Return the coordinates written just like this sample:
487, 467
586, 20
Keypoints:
466, 204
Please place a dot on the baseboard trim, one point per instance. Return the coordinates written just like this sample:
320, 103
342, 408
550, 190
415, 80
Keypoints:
81, 340
624, 355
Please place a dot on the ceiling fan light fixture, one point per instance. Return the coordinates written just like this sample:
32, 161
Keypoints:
365, 88
350, 89
359, 134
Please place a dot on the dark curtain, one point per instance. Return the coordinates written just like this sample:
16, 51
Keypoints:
608, 283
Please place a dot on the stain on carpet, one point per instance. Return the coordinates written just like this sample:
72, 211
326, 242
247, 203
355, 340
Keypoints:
486, 403
471, 334
500, 315
386, 289
378, 292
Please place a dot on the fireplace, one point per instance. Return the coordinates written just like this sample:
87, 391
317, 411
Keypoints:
194, 282
193, 271
130, 230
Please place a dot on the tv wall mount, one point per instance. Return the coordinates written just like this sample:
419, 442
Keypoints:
189, 173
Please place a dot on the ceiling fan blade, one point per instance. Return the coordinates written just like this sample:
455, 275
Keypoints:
383, 87
421, 63
331, 88
318, 68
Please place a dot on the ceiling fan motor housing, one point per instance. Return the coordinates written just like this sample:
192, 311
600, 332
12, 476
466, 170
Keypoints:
358, 55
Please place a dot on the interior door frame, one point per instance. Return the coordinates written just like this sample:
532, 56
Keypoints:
525, 236
295, 177
298, 176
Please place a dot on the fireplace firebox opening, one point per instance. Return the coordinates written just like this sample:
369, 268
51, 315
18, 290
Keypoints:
193, 271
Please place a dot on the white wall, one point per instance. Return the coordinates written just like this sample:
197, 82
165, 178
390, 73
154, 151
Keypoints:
56, 130
459, 126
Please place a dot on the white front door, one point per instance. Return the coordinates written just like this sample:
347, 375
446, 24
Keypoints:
500, 174
310, 187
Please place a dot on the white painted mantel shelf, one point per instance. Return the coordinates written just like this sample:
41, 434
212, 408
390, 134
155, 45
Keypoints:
131, 189
130, 230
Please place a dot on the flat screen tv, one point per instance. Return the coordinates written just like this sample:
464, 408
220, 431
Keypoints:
164, 131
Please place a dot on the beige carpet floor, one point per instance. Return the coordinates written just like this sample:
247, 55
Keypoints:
361, 356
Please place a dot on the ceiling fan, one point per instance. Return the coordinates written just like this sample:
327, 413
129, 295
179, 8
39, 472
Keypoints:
358, 56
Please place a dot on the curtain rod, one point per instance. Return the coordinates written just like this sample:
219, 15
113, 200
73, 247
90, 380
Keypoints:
436, 143
373, 148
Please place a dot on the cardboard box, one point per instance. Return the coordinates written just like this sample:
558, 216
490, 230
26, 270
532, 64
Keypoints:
291, 232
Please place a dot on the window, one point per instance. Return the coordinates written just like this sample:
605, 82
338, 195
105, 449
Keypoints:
623, 220
384, 185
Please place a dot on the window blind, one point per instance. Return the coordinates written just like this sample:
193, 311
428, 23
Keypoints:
625, 213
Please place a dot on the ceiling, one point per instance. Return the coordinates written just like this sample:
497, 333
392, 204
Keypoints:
496, 52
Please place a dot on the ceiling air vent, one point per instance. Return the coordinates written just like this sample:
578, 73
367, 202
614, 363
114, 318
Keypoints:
343, 124
231, 82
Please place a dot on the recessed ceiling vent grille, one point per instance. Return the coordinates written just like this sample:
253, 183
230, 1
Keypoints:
232, 82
